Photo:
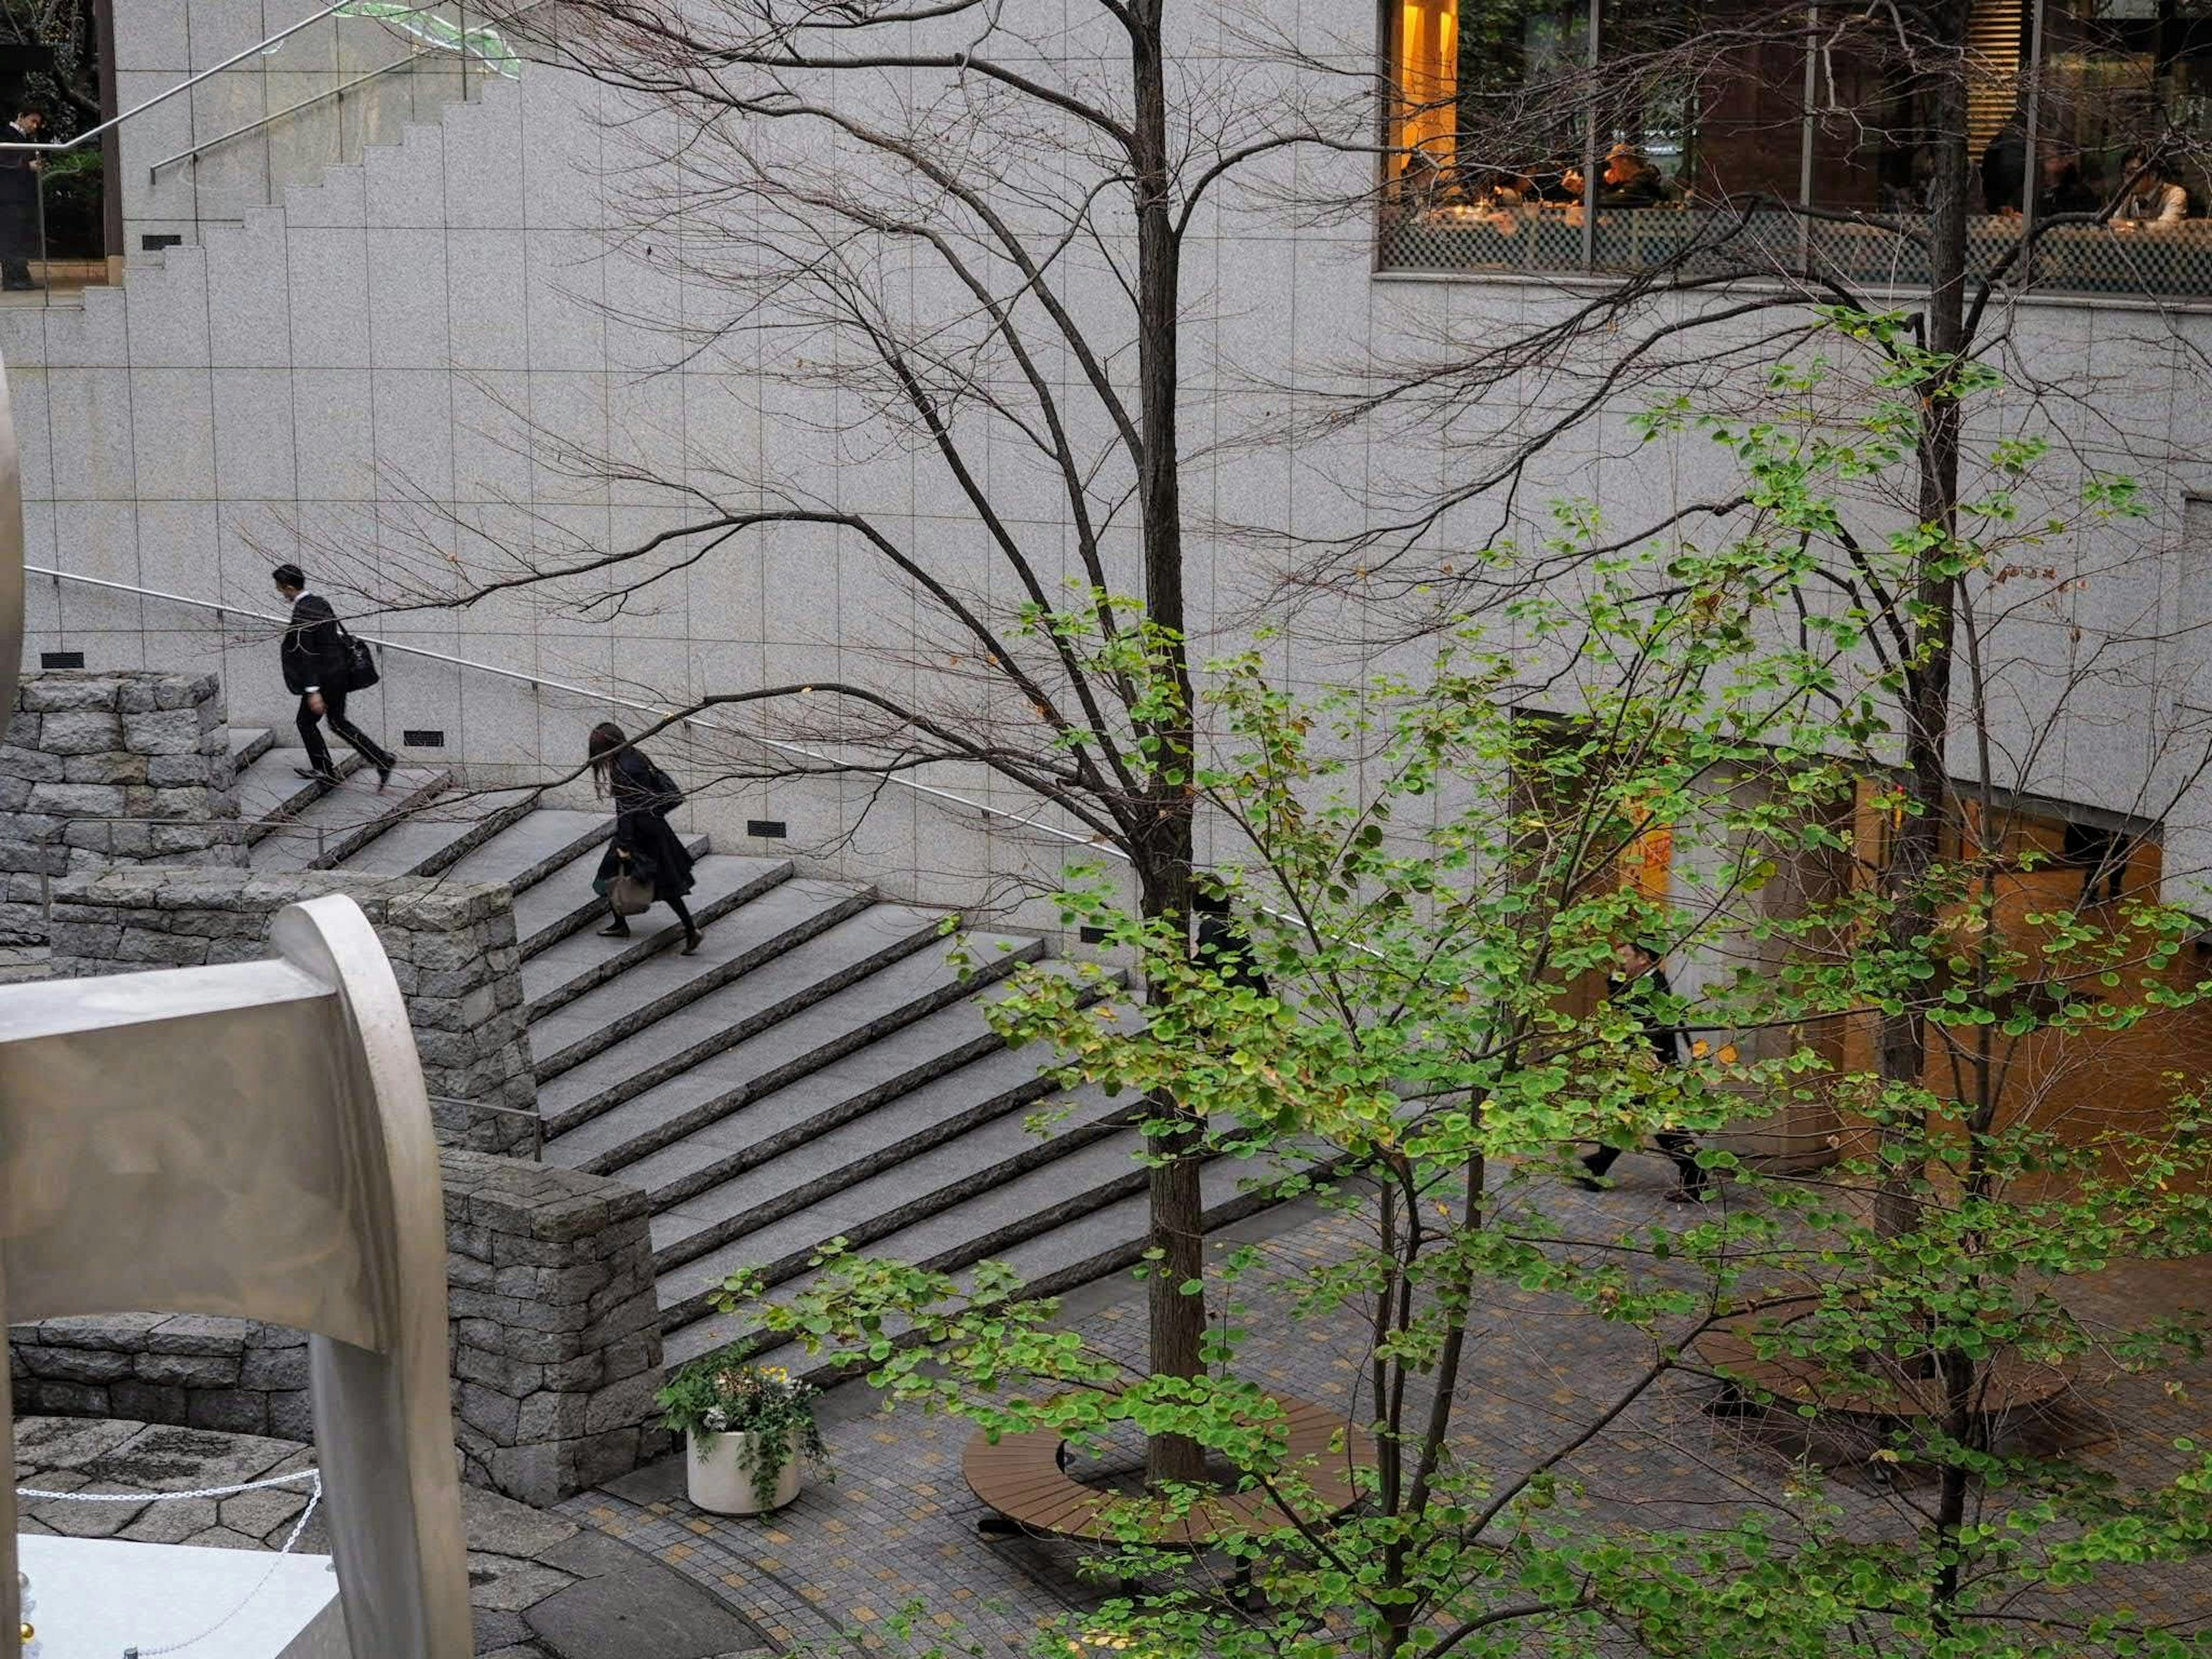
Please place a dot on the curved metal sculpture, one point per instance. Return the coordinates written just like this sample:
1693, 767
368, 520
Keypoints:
254, 1141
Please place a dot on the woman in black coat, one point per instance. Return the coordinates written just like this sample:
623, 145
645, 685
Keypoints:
643, 845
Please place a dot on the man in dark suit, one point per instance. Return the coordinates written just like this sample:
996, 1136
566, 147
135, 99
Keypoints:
313, 652
1640, 982
19, 200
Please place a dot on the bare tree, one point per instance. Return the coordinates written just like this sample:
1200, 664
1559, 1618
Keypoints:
964, 240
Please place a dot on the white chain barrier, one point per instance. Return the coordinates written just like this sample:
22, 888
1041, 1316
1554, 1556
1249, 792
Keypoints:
314, 1497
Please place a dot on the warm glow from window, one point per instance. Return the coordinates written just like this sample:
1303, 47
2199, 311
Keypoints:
1428, 78
1648, 861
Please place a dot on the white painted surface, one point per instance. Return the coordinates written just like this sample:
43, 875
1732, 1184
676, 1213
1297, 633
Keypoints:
97, 1596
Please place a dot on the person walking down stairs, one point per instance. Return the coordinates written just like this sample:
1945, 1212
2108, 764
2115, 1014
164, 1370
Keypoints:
316, 667
644, 850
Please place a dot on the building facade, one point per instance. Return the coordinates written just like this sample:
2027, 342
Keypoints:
404, 301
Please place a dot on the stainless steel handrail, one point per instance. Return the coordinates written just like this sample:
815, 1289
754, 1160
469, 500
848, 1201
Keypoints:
460, 45
657, 710
194, 152
163, 97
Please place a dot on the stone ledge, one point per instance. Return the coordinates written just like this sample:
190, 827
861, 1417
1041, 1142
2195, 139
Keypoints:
552, 1390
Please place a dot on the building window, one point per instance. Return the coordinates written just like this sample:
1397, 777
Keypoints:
1610, 135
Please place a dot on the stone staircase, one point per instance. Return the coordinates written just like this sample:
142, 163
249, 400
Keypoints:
821, 1069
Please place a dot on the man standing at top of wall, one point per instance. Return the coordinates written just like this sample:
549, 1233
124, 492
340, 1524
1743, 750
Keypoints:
313, 653
20, 240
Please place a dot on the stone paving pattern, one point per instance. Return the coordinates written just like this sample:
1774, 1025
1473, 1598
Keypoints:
542, 1586
898, 1523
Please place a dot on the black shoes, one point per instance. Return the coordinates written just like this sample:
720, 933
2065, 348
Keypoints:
690, 942
383, 776
615, 929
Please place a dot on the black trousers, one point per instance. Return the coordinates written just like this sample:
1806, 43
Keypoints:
319, 752
1674, 1143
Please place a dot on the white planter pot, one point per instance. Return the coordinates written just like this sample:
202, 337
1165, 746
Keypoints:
718, 1469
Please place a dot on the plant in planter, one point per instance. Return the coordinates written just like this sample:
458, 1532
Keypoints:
748, 1430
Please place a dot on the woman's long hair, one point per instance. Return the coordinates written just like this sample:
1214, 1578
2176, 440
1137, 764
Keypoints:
606, 742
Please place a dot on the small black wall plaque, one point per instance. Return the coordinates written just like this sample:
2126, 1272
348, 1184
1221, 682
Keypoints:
767, 828
1091, 935
61, 659
418, 739
154, 241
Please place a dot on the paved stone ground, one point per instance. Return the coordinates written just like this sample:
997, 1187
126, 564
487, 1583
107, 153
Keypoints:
898, 1525
543, 1586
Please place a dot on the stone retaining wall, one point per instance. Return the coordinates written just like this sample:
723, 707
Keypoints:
107, 769
452, 947
556, 1340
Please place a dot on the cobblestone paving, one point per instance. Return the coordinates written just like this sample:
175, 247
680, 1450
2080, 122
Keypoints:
541, 1586
898, 1525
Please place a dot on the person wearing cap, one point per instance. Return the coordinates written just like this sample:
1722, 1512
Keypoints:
312, 651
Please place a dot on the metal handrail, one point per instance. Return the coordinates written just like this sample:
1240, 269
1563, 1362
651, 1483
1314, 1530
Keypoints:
460, 45
194, 152
657, 710
67, 144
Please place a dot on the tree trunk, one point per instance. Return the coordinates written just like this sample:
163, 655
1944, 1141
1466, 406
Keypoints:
1176, 1229
1178, 1320
1927, 692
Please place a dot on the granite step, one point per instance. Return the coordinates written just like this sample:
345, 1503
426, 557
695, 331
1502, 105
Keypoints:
795, 1080
440, 833
788, 914
1089, 1158
1073, 1250
888, 1154
560, 973
559, 900
271, 791
249, 744
875, 941
338, 823
960, 1224
535, 849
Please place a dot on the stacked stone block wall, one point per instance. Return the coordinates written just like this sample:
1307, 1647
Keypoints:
555, 1331
107, 769
452, 947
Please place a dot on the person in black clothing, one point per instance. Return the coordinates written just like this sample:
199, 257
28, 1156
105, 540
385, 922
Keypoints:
1640, 981
643, 847
1222, 946
2004, 167
313, 653
19, 200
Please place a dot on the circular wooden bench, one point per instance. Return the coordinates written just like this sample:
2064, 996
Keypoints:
2010, 1384
1022, 1478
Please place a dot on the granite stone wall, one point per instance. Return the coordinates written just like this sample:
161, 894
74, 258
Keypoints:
107, 769
556, 1340
452, 947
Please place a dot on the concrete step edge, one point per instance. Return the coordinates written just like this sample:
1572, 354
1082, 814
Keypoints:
1038, 1152
651, 943
338, 847
971, 1249
566, 1118
702, 984
824, 1371
480, 831
829, 1053
577, 920
306, 791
